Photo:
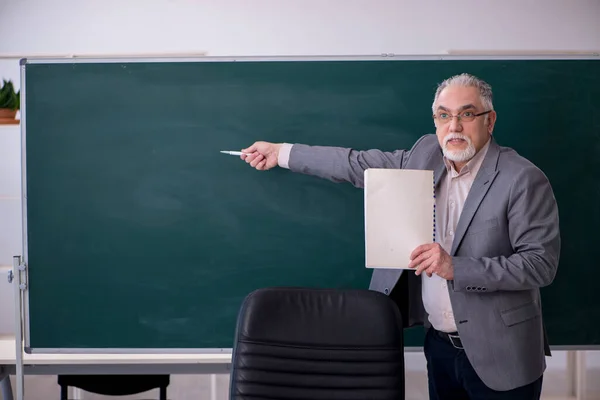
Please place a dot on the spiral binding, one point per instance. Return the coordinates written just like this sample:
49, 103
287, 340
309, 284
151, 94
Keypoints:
434, 209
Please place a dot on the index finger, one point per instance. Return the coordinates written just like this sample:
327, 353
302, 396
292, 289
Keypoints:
420, 249
246, 154
250, 149
250, 157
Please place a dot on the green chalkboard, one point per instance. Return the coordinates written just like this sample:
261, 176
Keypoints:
140, 234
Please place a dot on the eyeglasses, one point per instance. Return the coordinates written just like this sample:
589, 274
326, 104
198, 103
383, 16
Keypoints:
443, 117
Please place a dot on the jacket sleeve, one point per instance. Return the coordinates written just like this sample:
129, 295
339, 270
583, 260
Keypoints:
339, 164
534, 235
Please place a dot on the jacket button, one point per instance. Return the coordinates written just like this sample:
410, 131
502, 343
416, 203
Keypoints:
386, 291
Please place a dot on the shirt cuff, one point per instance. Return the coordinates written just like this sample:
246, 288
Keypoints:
283, 159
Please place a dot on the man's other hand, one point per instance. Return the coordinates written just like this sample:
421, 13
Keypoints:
432, 259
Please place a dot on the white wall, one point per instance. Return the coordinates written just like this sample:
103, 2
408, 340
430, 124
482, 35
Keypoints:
274, 27
301, 27
279, 27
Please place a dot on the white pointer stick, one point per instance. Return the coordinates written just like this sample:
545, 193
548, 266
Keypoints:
233, 153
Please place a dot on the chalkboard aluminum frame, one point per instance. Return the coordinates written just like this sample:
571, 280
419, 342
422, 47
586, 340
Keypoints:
22, 298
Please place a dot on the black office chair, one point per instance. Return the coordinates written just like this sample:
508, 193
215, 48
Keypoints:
293, 343
114, 385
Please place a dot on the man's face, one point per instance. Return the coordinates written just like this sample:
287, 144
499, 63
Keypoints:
461, 139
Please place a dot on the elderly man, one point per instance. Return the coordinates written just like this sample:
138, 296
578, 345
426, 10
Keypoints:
476, 289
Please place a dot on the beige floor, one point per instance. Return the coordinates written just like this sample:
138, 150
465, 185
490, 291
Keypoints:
197, 387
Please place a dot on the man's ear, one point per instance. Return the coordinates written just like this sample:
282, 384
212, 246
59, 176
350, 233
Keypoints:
491, 121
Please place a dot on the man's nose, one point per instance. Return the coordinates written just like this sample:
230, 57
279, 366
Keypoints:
455, 124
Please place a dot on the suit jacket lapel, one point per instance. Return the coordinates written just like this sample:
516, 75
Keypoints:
486, 175
439, 171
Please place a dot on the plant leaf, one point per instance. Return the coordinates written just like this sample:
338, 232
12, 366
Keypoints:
8, 97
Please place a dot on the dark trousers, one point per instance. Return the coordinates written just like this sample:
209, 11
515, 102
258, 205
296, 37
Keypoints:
451, 376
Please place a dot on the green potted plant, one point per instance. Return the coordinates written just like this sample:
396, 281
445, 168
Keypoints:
10, 101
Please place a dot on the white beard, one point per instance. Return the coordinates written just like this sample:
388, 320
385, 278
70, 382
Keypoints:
458, 155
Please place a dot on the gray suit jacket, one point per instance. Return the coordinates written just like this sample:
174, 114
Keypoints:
506, 247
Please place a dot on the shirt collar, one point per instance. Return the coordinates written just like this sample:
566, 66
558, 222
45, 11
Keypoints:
474, 163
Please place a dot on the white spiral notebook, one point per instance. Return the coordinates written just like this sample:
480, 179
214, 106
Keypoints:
399, 215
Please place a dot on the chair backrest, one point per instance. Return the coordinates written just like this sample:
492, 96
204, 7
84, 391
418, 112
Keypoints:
115, 385
293, 343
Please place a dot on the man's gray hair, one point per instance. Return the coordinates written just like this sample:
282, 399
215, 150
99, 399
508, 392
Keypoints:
467, 80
